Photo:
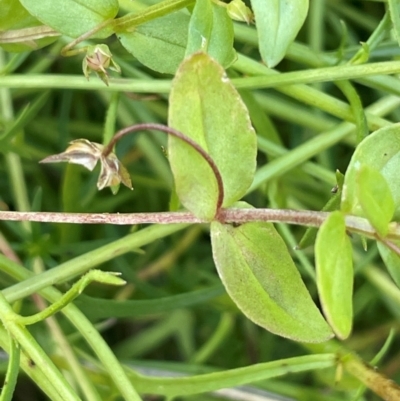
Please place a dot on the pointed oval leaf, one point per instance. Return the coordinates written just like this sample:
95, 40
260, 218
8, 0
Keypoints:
159, 44
74, 17
205, 106
211, 31
375, 198
261, 278
278, 23
379, 151
334, 265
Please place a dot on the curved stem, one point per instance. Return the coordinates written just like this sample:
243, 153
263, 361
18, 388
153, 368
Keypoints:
177, 134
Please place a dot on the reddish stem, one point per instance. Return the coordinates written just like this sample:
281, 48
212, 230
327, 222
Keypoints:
177, 134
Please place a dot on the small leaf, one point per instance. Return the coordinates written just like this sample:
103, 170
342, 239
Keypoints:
391, 260
211, 31
200, 26
159, 44
261, 278
380, 151
205, 106
375, 198
238, 11
278, 22
74, 17
334, 265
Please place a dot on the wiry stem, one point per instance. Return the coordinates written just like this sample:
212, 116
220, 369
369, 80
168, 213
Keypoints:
177, 134
67, 50
306, 218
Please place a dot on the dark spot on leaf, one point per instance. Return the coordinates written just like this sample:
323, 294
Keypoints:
31, 363
236, 224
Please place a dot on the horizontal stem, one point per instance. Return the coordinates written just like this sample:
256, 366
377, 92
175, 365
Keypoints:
297, 217
272, 80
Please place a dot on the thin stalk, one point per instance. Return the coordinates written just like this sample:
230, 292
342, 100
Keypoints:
34, 351
12, 372
306, 218
177, 134
66, 51
13, 161
130, 21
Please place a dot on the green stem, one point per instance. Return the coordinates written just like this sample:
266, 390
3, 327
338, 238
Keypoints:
51, 81
34, 351
12, 372
70, 295
13, 161
88, 332
130, 21
323, 74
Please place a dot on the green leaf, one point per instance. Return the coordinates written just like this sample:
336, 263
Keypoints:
74, 17
159, 44
334, 265
394, 9
211, 31
278, 22
261, 278
14, 16
375, 198
205, 106
391, 260
200, 26
379, 151
21, 31
97, 308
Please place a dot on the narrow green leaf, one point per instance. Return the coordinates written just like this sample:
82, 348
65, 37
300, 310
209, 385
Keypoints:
394, 8
278, 22
334, 265
74, 17
211, 31
375, 198
261, 278
159, 44
205, 106
180, 386
97, 308
380, 151
26, 115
